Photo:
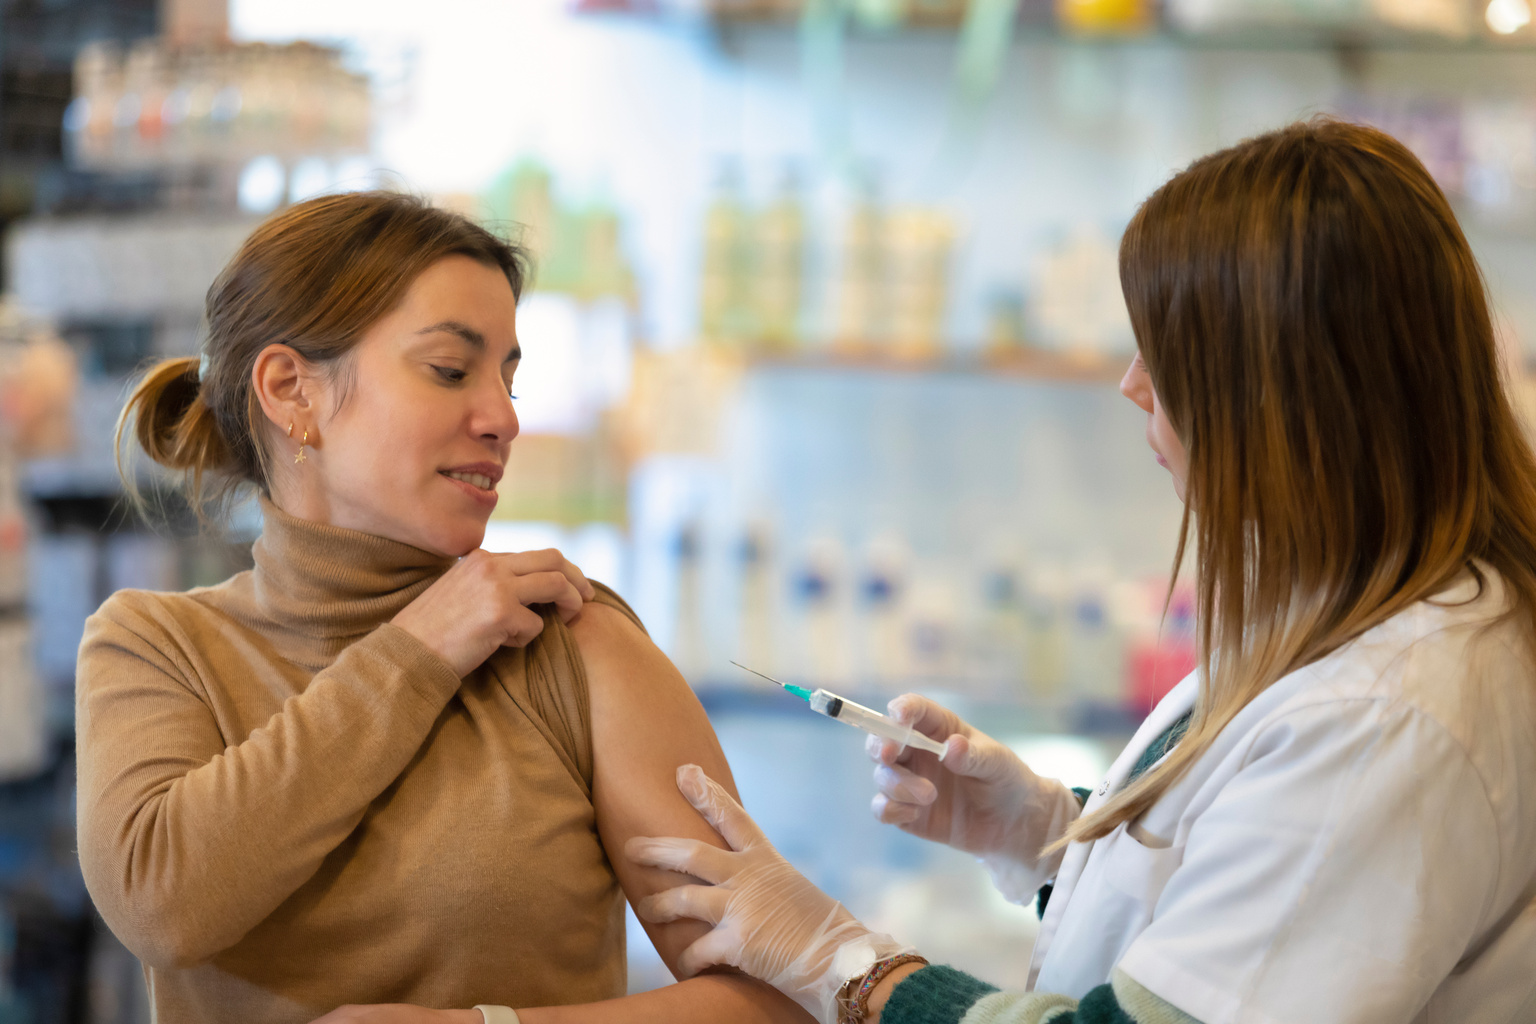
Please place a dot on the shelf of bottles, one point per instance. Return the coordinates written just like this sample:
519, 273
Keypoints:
1441, 24
159, 105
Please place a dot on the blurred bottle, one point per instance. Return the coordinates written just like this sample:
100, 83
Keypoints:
883, 654
88, 119
932, 625
689, 650
604, 271
1163, 651
861, 320
754, 554
781, 267
726, 314
816, 597
13, 533
1000, 647
200, 75
13, 1010
23, 706
936, 12
1046, 623
1094, 669
918, 243
531, 205
147, 78
1005, 323
1078, 306
1105, 17
880, 14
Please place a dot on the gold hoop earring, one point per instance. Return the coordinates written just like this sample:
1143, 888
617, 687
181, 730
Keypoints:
302, 442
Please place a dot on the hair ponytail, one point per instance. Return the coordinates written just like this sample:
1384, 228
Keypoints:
174, 427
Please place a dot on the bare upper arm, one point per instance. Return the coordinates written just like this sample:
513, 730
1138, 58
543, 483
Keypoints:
645, 723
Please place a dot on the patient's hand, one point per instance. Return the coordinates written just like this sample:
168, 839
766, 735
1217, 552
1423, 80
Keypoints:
399, 1013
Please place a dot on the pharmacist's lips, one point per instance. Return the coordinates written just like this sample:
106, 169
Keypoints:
493, 470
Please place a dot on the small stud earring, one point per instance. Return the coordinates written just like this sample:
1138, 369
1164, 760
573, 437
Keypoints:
290, 428
302, 442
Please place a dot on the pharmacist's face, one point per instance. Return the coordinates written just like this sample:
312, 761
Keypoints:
415, 435
1137, 386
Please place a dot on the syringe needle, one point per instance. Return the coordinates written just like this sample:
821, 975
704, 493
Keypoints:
760, 675
798, 691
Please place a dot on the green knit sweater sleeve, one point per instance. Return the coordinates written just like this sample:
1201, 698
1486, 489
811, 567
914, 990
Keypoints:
943, 995
934, 995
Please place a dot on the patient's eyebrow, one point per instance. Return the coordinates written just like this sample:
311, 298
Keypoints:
469, 335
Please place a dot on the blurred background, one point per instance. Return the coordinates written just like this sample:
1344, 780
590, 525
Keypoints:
820, 360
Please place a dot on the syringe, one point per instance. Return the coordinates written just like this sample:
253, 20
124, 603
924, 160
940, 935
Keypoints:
825, 702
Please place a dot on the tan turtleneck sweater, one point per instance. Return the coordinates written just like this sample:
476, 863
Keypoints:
287, 804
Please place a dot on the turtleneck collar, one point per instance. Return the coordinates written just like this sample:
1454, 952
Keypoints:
333, 583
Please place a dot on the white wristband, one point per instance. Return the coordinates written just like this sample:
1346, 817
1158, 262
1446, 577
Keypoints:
498, 1015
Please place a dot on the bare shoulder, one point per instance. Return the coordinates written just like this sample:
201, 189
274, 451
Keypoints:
600, 624
613, 644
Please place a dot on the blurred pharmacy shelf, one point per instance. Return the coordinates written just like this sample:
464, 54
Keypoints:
1034, 365
1435, 28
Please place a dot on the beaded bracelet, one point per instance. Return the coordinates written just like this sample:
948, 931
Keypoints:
856, 1004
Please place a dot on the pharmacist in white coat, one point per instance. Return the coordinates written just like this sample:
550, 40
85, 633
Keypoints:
1334, 818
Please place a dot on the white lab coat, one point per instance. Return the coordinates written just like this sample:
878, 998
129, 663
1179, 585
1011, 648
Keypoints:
1359, 845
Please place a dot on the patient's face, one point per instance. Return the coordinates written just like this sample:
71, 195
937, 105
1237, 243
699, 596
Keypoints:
413, 434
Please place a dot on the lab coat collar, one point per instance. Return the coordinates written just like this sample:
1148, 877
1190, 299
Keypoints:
1178, 702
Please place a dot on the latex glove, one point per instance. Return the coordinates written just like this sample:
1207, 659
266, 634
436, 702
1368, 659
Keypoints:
979, 797
769, 920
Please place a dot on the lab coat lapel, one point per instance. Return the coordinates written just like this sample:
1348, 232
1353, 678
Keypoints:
1170, 709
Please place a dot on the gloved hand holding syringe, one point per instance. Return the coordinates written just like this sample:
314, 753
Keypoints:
825, 702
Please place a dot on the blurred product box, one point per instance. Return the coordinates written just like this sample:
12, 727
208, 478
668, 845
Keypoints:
112, 268
63, 592
23, 731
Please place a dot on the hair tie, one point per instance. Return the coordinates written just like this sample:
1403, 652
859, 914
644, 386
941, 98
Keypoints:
202, 367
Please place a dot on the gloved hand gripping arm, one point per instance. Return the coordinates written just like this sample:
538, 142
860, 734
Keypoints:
769, 919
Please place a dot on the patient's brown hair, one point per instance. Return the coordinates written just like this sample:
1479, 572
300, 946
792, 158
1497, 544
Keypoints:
314, 277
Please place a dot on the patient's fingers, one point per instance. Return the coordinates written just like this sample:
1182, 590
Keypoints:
700, 902
690, 856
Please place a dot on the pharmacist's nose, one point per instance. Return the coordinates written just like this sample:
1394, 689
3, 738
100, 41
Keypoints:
1137, 385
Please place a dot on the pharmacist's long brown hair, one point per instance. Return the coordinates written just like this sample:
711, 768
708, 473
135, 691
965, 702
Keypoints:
314, 277
1317, 329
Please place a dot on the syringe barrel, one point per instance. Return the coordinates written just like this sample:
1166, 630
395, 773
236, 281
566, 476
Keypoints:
871, 721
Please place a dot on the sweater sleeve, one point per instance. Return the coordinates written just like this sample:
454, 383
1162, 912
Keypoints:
943, 995
186, 843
